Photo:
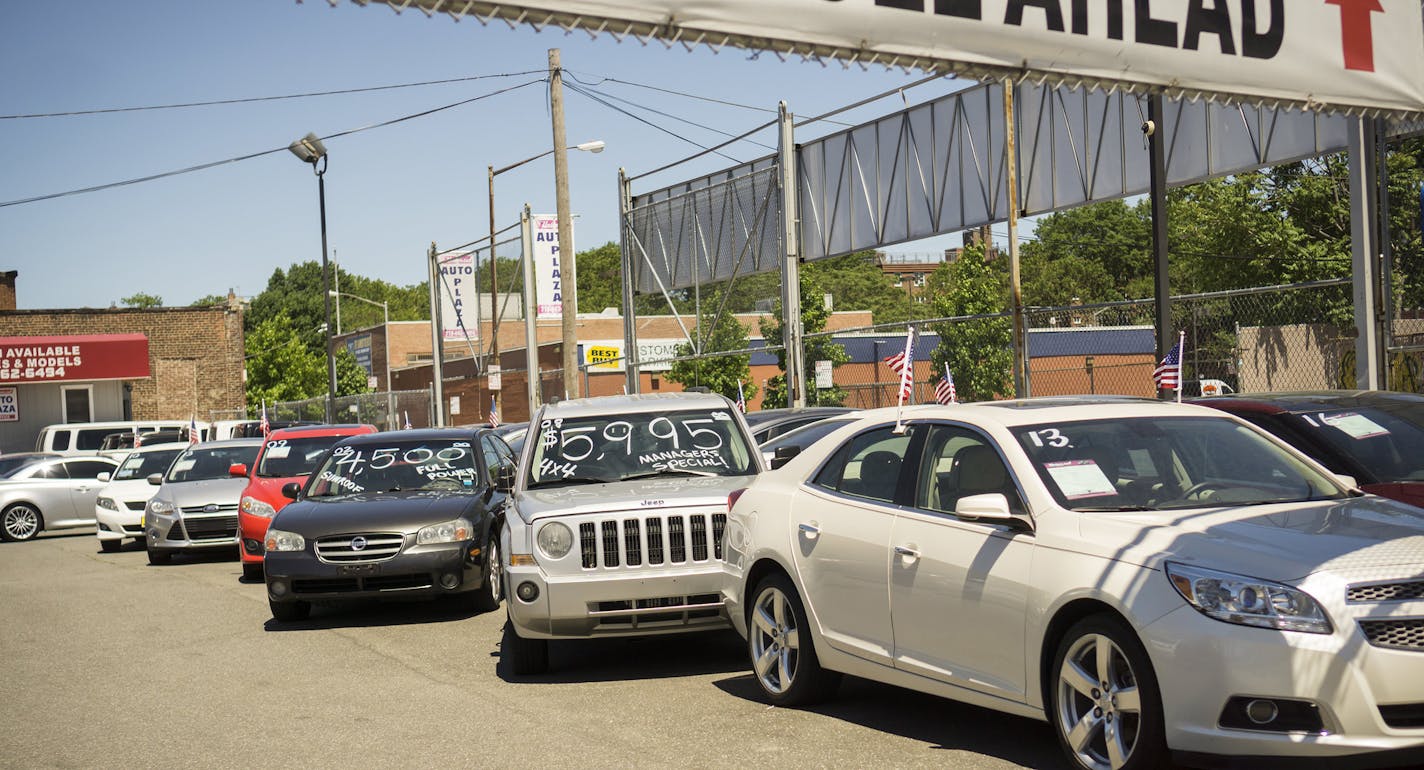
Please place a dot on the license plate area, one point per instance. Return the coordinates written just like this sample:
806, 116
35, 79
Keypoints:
358, 569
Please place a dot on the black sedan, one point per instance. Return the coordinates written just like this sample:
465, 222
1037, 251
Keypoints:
396, 514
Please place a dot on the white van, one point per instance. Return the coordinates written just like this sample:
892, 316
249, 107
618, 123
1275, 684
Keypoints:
85, 438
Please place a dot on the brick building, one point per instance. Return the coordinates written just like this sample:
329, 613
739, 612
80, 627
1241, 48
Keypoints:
92, 365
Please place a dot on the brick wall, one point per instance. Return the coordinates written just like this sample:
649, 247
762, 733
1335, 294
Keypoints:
195, 354
7, 289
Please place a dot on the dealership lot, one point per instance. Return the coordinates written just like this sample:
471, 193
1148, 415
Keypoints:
112, 662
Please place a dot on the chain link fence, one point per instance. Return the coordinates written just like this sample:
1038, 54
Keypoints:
390, 410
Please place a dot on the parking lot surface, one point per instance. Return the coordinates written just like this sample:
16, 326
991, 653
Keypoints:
112, 662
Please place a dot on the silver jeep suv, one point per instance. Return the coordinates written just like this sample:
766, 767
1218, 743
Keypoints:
615, 525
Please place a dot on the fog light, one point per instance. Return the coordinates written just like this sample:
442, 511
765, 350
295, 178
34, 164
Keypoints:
278, 588
104, 527
1262, 711
449, 580
253, 546
527, 592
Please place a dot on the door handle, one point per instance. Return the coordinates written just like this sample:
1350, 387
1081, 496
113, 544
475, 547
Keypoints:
809, 529
909, 554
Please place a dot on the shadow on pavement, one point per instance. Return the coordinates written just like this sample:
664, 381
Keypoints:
367, 613
635, 658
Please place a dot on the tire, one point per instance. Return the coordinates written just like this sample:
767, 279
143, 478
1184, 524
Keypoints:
21, 522
1117, 726
783, 655
111, 546
525, 656
487, 598
288, 612
252, 572
157, 556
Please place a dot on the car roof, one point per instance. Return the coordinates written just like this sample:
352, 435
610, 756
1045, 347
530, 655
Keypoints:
764, 416
1035, 411
231, 442
1310, 400
634, 402
156, 448
345, 429
418, 434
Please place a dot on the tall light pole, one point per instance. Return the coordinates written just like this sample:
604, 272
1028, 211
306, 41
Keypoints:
309, 149
385, 339
595, 146
567, 268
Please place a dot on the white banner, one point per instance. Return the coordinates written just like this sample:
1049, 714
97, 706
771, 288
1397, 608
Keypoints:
1352, 54
9, 405
457, 297
548, 275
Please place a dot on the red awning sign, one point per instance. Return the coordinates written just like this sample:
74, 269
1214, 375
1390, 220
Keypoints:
80, 357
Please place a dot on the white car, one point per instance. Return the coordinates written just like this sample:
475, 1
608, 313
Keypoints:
118, 510
1150, 578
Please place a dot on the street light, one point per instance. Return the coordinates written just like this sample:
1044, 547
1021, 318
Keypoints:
309, 149
385, 344
595, 146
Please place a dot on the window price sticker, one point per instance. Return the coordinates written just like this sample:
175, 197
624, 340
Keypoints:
1354, 425
1080, 478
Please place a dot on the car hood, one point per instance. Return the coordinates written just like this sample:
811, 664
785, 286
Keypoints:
1278, 542
268, 489
642, 494
376, 511
224, 491
128, 489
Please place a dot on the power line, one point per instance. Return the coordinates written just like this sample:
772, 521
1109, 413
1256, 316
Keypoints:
578, 89
672, 117
248, 100
250, 156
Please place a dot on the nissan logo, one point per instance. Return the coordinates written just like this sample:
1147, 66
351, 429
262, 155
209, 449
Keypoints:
358, 543
210, 508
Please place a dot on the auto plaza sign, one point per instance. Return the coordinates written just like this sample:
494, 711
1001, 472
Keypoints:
1353, 55
83, 357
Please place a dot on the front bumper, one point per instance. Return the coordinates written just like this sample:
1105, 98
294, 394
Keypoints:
423, 571
1201, 663
251, 531
632, 602
117, 525
190, 532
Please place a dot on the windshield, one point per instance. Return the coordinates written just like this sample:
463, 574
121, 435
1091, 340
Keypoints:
291, 457
207, 463
9, 465
1390, 444
396, 466
703, 442
806, 435
141, 465
1142, 463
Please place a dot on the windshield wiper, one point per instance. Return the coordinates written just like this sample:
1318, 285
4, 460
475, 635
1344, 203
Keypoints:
1116, 508
571, 480
668, 472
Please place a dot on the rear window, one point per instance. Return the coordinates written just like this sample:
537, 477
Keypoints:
90, 440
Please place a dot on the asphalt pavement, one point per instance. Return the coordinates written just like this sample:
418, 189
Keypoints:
110, 662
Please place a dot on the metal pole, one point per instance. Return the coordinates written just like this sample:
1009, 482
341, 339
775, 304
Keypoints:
336, 282
1386, 245
568, 279
437, 345
386, 356
326, 296
1011, 163
1364, 243
792, 331
531, 332
630, 315
1157, 165
494, 278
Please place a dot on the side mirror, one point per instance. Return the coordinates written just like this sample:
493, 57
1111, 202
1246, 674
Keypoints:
1347, 480
105, 476
993, 506
291, 490
237, 470
784, 455
155, 479
505, 481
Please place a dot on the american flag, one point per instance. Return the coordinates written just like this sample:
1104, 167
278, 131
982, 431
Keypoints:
741, 399
494, 413
265, 425
193, 436
944, 391
1168, 375
903, 364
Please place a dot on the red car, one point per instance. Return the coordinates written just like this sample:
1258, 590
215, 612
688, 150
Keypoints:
289, 454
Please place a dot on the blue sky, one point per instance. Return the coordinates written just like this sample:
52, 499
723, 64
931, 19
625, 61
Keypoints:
390, 191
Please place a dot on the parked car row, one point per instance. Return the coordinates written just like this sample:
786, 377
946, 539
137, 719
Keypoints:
1154, 580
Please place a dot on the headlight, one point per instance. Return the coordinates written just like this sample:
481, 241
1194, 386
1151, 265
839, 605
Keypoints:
160, 506
254, 507
555, 539
277, 540
1248, 601
107, 503
446, 532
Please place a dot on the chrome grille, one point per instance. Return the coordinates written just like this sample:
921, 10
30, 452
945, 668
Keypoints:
653, 540
1401, 634
341, 549
1386, 592
210, 527
196, 509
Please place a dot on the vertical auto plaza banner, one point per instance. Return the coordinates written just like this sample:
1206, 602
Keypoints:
1351, 55
548, 272
457, 297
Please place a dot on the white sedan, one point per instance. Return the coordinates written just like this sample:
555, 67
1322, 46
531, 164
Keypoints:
1152, 579
118, 511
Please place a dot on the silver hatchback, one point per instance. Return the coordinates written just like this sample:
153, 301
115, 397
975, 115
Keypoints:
196, 504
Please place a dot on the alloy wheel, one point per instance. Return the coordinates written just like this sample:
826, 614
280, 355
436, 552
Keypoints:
496, 573
776, 640
1099, 705
21, 522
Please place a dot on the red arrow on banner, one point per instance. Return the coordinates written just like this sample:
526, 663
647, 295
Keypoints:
1356, 37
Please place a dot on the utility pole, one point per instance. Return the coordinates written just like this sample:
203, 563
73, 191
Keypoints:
437, 342
531, 332
1157, 168
568, 278
1021, 380
494, 280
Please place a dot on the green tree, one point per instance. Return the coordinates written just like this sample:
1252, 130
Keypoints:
351, 378
280, 364
856, 282
600, 278
979, 352
142, 300
1098, 253
296, 294
720, 374
813, 319
209, 300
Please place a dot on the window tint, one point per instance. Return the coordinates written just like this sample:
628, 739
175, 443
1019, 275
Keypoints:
492, 459
88, 469
61, 441
90, 440
54, 471
869, 465
960, 463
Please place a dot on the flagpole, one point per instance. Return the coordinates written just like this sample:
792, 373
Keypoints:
1181, 365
